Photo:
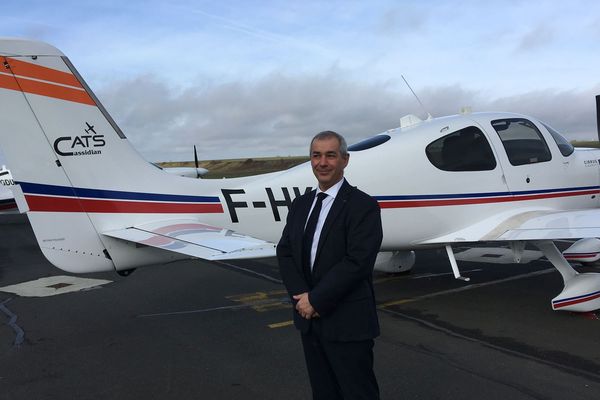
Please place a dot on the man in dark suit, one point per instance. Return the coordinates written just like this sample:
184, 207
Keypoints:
326, 256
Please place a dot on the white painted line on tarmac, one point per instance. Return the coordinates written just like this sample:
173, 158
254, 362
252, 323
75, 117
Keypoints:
53, 285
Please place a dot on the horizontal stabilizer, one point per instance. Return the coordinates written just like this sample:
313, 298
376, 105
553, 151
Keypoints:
195, 239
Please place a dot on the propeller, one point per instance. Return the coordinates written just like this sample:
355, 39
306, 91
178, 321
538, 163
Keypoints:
196, 162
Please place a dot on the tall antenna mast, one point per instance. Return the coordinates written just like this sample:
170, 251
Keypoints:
417, 97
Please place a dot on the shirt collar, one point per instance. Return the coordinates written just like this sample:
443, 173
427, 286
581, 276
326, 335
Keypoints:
332, 191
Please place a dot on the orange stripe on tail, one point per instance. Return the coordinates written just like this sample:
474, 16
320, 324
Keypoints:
74, 92
29, 70
55, 91
9, 82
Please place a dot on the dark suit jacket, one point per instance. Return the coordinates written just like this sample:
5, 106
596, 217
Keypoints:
341, 288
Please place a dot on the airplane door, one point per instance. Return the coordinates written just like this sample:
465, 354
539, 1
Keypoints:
535, 168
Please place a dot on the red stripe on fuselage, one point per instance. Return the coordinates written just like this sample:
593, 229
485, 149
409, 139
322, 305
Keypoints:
481, 200
65, 204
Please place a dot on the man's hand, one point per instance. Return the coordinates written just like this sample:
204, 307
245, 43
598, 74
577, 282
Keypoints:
303, 306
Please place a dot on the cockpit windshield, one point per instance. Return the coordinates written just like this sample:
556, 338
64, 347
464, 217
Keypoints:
565, 147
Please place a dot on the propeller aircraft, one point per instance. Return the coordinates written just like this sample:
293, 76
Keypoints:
7, 201
96, 205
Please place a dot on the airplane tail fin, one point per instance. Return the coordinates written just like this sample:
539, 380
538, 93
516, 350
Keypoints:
61, 146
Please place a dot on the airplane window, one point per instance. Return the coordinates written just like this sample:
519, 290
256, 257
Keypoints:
369, 143
523, 142
463, 150
566, 148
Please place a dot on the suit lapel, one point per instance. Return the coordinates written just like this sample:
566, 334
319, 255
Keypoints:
338, 205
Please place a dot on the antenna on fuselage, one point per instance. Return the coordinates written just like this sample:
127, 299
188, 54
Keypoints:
417, 97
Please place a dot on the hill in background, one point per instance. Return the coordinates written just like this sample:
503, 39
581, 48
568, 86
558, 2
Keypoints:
586, 143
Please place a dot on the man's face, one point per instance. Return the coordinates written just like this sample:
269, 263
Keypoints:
327, 162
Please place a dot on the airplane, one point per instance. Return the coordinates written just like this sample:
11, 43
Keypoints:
96, 205
7, 201
189, 172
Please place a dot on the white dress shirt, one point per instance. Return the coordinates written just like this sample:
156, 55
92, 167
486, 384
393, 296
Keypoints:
327, 202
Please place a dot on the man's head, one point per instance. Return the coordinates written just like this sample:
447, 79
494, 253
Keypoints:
328, 157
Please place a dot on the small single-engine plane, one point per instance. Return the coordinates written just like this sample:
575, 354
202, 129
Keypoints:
189, 172
96, 205
7, 201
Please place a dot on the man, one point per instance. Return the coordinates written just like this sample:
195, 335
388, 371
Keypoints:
326, 256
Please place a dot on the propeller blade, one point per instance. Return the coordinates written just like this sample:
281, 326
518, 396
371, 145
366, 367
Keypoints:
196, 161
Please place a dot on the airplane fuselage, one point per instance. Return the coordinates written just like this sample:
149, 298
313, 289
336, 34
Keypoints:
411, 190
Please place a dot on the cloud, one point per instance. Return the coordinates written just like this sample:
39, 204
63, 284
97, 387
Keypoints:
594, 27
572, 112
275, 115
278, 114
408, 19
540, 36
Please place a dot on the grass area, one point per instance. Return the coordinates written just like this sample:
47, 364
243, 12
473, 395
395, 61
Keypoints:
240, 166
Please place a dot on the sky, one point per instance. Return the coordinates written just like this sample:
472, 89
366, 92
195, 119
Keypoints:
260, 78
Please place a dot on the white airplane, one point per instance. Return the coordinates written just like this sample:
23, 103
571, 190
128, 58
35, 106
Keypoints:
96, 205
189, 172
7, 201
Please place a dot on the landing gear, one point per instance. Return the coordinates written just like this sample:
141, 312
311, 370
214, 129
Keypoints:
454, 265
581, 292
585, 251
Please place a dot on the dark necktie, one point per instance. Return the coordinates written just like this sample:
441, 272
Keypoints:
309, 233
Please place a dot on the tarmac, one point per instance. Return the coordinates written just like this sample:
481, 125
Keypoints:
200, 330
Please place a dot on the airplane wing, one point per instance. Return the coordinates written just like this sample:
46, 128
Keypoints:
195, 239
529, 224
